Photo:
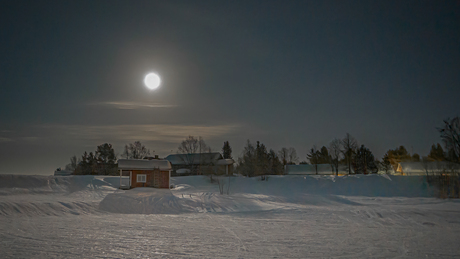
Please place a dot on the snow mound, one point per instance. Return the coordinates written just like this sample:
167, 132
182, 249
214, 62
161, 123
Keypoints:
143, 201
198, 194
36, 184
294, 186
54, 208
26, 195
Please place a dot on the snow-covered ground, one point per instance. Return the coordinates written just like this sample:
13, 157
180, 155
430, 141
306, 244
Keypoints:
284, 217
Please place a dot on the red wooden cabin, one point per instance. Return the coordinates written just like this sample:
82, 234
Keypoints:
145, 173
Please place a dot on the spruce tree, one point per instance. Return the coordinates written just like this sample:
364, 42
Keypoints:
364, 161
227, 150
437, 153
82, 167
105, 156
256, 161
246, 163
262, 159
386, 164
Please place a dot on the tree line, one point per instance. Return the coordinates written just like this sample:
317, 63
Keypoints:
346, 152
104, 160
258, 160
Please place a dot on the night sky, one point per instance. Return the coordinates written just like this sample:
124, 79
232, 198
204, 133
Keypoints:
287, 73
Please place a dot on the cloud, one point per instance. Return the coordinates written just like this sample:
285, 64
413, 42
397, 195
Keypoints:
141, 132
133, 105
30, 138
2, 139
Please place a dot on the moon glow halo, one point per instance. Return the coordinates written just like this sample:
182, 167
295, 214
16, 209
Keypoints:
152, 81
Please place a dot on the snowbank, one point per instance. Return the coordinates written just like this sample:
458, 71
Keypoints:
29, 195
56, 195
284, 217
143, 201
36, 184
287, 186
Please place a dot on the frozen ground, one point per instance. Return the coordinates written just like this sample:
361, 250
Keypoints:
284, 217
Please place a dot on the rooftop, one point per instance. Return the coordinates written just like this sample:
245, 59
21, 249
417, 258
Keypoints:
144, 164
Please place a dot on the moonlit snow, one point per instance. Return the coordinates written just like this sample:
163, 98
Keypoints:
285, 217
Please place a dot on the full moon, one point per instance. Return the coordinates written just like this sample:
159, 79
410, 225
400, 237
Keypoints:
152, 81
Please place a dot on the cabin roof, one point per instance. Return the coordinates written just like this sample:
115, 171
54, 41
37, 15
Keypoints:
143, 164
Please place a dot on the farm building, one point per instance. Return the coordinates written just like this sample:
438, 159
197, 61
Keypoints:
60, 172
426, 168
200, 163
144, 173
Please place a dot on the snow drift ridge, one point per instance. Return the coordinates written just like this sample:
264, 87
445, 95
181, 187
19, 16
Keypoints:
60, 195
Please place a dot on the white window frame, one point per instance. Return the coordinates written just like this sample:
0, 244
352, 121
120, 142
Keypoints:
139, 178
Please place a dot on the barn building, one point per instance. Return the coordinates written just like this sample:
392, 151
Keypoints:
200, 163
144, 173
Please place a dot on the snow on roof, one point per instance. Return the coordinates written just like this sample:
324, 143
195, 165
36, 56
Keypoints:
144, 164
226, 161
194, 158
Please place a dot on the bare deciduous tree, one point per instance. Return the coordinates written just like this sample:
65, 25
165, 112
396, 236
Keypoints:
288, 156
450, 134
283, 155
192, 145
221, 182
189, 146
335, 149
292, 155
73, 164
135, 151
350, 145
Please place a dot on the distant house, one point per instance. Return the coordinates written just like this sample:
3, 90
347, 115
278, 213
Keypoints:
145, 173
200, 163
426, 168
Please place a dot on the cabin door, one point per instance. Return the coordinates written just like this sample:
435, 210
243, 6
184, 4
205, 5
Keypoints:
155, 179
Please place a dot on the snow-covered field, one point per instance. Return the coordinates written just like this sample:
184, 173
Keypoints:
284, 217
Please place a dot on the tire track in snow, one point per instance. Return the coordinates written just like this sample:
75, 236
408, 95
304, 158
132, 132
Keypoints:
241, 246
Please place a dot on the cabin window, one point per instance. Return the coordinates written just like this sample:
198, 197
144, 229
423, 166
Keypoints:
141, 178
